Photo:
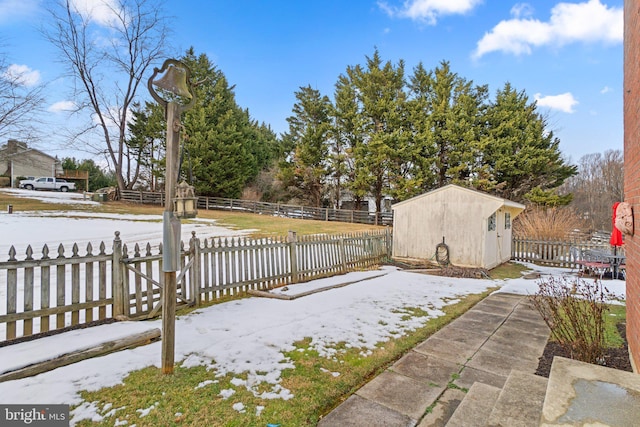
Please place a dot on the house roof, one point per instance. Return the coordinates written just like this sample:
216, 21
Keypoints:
504, 202
16, 148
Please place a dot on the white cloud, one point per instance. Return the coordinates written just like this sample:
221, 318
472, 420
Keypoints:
429, 10
62, 106
563, 102
586, 22
521, 10
102, 12
22, 75
605, 90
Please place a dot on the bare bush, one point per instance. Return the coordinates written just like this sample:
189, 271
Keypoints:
574, 311
546, 223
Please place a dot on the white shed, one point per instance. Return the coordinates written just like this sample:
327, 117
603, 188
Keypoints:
475, 226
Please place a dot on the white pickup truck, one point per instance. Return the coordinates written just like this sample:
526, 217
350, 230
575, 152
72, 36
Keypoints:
47, 183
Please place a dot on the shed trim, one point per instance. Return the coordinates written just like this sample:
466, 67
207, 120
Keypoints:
504, 202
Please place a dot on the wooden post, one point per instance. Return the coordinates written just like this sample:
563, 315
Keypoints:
194, 274
116, 274
388, 242
292, 239
343, 254
171, 232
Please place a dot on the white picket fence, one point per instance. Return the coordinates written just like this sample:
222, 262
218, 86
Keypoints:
46, 293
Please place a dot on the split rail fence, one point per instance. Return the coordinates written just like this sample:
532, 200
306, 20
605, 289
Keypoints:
265, 208
58, 292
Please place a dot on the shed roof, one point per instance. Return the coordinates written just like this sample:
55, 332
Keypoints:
449, 187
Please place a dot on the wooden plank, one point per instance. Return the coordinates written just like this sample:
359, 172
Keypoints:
12, 317
12, 300
60, 294
28, 301
102, 288
88, 290
206, 283
149, 291
137, 283
75, 292
130, 341
45, 295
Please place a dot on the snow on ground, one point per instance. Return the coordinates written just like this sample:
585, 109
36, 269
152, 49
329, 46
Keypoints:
37, 228
247, 338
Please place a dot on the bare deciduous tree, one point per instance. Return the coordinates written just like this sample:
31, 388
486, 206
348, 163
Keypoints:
597, 186
108, 49
20, 102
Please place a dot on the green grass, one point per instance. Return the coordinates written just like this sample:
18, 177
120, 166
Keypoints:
508, 270
615, 315
263, 225
176, 401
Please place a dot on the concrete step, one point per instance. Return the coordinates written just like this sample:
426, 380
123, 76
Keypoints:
476, 407
520, 401
582, 393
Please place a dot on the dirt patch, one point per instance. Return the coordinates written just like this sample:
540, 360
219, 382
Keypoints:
616, 358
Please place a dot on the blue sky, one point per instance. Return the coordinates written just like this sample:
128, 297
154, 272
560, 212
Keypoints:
567, 55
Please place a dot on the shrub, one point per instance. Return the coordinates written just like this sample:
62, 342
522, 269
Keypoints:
574, 311
546, 223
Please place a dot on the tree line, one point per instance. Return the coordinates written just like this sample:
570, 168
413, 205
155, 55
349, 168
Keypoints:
391, 135
384, 135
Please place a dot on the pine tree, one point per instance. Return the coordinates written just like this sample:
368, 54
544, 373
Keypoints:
146, 140
309, 131
447, 112
519, 151
227, 148
345, 135
378, 155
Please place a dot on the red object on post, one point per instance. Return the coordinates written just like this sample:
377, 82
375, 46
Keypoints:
616, 235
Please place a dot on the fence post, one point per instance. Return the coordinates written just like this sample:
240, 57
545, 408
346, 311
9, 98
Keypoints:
194, 274
116, 278
388, 242
342, 254
292, 239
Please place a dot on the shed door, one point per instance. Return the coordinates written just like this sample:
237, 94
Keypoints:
492, 246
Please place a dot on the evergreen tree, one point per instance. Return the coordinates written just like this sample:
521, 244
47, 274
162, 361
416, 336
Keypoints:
378, 156
309, 127
344, 135
447, 112
422, 147
227, 148
146, 140
519, 151
98, 177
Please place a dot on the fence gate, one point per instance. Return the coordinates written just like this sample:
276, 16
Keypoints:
142, 280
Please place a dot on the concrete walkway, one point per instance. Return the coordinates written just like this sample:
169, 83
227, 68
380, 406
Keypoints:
494, 345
